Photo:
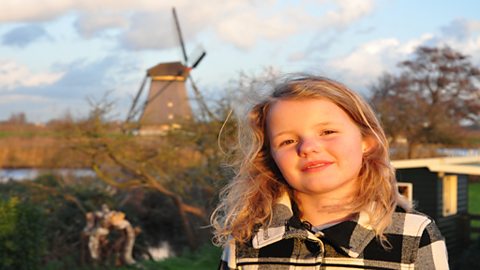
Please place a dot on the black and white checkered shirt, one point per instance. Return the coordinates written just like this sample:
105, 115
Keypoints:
416, 243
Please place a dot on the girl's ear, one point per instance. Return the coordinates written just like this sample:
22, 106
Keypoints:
368, 143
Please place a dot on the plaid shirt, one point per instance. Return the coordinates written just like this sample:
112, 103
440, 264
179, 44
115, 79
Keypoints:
416, 243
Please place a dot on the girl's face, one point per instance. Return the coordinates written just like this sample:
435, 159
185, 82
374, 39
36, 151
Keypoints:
317, 146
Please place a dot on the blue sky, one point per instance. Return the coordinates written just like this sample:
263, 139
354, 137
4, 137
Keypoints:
56, 53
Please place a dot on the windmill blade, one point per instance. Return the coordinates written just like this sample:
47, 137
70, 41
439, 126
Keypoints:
200, 99
199, 59
180, 37
131, 113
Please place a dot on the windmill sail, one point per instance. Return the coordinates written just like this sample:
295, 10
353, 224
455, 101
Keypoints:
167, 103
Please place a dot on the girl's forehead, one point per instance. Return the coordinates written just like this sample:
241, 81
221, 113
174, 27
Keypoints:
286, 102
299, 99
318, 109
326, 109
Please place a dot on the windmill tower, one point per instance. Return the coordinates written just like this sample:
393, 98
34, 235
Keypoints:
167, 103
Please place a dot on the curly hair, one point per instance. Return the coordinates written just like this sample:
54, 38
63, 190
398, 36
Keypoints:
249, 197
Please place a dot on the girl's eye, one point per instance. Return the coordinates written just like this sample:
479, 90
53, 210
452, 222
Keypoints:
328, 132
286, 142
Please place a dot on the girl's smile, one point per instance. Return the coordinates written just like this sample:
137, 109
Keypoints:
314, 166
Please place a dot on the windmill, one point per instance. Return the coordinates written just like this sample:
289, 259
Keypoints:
167, 102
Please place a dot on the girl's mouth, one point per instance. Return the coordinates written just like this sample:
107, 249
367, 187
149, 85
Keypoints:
315, 165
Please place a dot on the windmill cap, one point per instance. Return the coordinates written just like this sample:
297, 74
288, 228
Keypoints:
169, 69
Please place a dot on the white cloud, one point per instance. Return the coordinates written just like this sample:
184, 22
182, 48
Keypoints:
15, 75
31, 10
347, 12
90, 23
27, 10
149, 31
239, 22
246, 29
366, 63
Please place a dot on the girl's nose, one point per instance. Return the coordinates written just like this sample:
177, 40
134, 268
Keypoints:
308, 146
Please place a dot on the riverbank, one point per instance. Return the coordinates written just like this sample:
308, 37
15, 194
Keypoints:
38, 152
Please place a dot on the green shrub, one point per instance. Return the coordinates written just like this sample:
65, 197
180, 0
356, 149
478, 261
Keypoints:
21, 235
8, 219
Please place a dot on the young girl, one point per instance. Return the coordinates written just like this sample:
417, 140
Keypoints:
314, 189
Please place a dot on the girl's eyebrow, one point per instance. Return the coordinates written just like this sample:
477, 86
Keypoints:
324, 123
283, 132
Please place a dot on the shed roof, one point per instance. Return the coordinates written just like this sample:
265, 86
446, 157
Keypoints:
459, 165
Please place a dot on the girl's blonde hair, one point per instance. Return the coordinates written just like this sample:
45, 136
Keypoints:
248, 199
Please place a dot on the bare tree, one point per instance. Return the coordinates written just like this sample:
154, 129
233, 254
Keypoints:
182, 164
434, 95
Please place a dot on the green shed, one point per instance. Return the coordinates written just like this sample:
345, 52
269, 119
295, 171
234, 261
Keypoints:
438, 187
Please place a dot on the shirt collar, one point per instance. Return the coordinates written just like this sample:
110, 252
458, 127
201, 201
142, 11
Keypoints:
350, 236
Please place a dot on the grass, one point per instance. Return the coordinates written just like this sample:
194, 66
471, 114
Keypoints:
206, 258
474, 198
474, 204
